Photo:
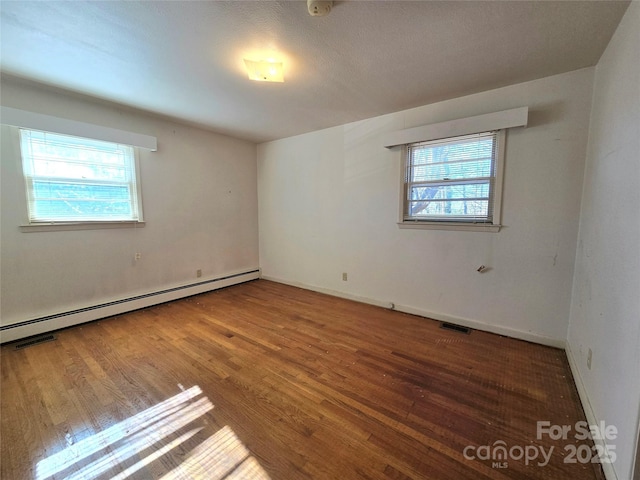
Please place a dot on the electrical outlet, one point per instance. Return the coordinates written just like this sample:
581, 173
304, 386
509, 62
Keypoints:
137, 256
344, 276
198, 273
589, 355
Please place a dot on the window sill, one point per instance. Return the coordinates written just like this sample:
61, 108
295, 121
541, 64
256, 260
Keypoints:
64, 226
461, 226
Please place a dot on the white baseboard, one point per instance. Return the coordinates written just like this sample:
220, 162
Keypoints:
36, 326
592, 419
466, 322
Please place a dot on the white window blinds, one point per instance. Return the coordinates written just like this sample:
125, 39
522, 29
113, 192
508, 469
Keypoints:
73, 179
451, 180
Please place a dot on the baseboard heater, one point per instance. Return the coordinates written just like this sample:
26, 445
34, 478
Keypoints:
36, 326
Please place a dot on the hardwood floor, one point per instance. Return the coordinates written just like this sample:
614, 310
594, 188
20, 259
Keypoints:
315, 387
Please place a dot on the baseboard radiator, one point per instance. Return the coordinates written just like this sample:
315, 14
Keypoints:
37, 326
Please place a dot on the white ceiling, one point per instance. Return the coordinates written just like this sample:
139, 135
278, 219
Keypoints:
366, 58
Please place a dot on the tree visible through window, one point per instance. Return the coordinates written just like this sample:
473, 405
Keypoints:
451, 180
73, 179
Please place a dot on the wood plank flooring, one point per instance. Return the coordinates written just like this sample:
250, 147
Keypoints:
315, 387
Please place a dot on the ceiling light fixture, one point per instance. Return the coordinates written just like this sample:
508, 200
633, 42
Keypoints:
265, 70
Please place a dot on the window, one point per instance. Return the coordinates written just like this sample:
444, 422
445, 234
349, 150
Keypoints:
454, 180
73, 179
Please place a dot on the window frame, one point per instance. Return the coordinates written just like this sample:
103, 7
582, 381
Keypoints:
444, 224
34, 225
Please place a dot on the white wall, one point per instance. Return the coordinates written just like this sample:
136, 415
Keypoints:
605, 311
200, 206
328, 203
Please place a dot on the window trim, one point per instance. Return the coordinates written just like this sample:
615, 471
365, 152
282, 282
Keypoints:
48, 225
454, 225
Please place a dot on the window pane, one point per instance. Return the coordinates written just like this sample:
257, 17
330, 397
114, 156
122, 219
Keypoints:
69, 210
75, 179
480, 168
451, 178
77, 153
465, 148
472, 190
52, 168
68, 191
453, 208
59, 201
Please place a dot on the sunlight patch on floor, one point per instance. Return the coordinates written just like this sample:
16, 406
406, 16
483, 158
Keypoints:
150, 435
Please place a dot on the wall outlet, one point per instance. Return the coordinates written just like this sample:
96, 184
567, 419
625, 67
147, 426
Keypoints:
344, 276
137, 256
198, 273
589, 355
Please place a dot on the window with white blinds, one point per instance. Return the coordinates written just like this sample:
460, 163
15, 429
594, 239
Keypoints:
73, 179
452, 180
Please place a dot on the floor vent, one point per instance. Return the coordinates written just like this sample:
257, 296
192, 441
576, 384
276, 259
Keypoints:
35, 341
455, 328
